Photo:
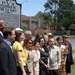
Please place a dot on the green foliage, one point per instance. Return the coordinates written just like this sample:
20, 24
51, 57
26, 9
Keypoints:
62, 12
25, 28
72, 27
39, 14
47, 18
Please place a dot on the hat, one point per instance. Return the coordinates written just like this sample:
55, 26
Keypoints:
19, 29
49, 34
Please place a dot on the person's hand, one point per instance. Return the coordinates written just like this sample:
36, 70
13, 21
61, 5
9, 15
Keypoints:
48, 66
24, 73
29, 71
64, 63
59, 66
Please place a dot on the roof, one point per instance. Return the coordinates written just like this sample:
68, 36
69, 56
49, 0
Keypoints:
26, 18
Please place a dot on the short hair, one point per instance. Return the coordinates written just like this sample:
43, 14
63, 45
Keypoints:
8, 31
35, 42
59, 38
27, 32
45, 36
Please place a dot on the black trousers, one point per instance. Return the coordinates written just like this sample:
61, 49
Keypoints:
53, 72
68, 67
44, 71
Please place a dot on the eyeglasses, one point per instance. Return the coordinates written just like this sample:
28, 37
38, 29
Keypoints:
30, 42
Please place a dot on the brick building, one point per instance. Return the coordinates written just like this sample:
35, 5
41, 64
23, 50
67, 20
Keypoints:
32, 23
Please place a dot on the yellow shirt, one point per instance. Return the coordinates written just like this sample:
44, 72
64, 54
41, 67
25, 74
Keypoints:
18, 47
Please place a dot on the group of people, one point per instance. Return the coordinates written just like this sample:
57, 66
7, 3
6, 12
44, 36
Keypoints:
43, 55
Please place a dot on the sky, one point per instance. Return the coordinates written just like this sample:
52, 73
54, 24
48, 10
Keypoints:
31, 7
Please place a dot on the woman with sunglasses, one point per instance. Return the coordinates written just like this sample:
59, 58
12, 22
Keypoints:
28, 46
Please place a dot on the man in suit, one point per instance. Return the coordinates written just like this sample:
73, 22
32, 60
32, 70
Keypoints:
7, 59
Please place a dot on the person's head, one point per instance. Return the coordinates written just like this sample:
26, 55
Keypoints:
2, 25
9, 34
51, 41
37, 36
28, 44
19, 36
46, 38
36, 45
50, 35
65, 33
28, 35
65, 38
59, 40
42, 41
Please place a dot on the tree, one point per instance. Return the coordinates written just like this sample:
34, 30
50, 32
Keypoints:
72, 27
62, 12
39, 14
47, 18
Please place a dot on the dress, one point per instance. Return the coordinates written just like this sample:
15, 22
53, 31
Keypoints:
64, 51
44, 57
36, 61
30, 62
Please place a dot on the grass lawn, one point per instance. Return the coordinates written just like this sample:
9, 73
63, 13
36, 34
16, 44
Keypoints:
72, 37
73, 69
73, 51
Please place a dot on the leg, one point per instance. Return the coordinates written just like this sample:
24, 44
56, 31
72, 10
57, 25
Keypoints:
42, 71
55, 72
68, 68
50, 72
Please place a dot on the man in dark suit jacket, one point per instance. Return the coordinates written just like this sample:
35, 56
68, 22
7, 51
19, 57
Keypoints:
7, 59
1, 38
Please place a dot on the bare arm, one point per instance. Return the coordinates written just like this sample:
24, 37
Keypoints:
19, 56
34, 68
43, 63
26, 55
48, 62
59, 57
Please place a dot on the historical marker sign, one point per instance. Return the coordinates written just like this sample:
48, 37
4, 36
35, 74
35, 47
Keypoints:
10, 11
